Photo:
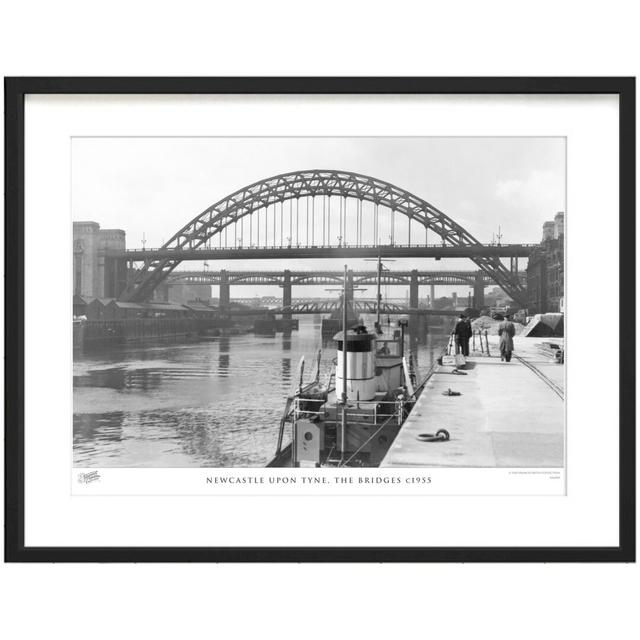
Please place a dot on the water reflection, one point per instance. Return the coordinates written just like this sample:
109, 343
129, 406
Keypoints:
286, 369
224, 359
194, 404
91, 427
121, 378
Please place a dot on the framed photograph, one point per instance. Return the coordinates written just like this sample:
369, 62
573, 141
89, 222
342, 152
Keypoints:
320, 319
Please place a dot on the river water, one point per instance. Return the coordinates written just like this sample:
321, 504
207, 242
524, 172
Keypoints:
214, 403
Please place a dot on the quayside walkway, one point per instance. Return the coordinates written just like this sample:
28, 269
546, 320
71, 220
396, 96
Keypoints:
508, 414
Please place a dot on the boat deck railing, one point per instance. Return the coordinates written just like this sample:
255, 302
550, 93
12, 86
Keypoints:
396, 406
384, 413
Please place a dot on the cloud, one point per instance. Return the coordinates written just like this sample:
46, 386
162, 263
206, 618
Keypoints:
541, 193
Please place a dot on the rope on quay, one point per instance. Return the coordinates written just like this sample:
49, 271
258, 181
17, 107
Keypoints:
442, 435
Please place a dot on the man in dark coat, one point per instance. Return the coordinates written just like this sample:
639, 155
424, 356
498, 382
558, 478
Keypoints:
506, 331
462, 332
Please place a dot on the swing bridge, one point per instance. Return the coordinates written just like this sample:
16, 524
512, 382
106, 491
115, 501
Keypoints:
319, 306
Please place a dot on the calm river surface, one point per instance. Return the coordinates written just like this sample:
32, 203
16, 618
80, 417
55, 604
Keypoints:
214, 403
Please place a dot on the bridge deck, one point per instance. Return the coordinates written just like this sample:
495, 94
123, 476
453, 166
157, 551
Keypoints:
270, 252
324, 277
507, 416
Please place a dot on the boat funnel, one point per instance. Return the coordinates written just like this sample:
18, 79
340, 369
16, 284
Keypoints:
361, 364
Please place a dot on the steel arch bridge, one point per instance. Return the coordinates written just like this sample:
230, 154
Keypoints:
259, 196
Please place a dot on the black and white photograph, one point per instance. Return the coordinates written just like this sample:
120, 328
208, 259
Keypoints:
317, 302
365, 316
319, 320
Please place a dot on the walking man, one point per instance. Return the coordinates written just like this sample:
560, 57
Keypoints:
506, 331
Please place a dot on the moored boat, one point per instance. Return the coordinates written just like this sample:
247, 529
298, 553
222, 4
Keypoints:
353, 418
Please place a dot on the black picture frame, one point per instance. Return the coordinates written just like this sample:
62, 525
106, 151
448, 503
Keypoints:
15, 91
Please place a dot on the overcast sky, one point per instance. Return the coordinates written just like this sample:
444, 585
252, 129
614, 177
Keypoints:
154, 186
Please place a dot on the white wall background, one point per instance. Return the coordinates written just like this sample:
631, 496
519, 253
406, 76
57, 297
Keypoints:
323, 38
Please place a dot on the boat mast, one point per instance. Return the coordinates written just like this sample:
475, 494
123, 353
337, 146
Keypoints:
344, 364
378, 295
379, 271
344, 338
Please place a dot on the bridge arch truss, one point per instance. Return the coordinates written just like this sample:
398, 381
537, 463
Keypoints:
255, 200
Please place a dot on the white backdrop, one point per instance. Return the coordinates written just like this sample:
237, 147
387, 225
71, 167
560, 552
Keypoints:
54, 517
400, 39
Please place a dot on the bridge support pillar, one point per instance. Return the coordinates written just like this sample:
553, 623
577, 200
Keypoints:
421, 328
130, 272
286, 294
225, 289
413, 290
115, 276
349, 289
161, 292
478, 291
432, 294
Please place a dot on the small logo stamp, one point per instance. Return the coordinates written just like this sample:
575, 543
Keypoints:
87, 478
